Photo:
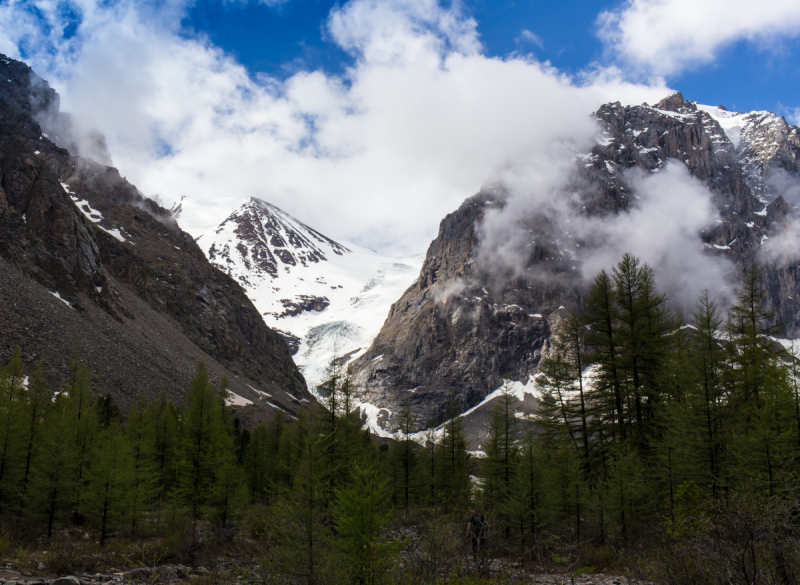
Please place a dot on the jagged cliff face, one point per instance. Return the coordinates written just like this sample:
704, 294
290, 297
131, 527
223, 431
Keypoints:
74, 228
459, 330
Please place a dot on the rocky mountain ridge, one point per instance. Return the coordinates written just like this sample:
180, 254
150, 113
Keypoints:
458, 331
114, 261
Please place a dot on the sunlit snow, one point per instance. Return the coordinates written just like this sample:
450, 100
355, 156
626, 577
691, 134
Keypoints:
234, 399
359, 284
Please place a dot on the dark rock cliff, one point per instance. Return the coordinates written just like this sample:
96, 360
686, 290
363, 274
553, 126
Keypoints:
77, 229
459, 330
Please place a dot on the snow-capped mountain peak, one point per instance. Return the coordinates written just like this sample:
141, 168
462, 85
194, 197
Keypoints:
326, 298
763, 141
258, 240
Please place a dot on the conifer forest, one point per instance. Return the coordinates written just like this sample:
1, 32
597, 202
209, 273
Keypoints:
666, 447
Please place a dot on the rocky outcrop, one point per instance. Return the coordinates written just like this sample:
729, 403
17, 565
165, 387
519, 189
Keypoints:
459, 330
81, 231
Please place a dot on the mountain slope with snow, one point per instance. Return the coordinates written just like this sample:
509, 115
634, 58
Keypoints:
765, 145
462, 328
327, 298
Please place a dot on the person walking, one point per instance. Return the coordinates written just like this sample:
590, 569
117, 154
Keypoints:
477, 526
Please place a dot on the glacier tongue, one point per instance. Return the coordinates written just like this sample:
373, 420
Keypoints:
332, 297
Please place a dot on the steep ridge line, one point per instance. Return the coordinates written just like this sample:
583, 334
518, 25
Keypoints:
81, 231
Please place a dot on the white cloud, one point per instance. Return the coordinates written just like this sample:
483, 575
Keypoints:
378, 155
663, 229
529, 37
664, 37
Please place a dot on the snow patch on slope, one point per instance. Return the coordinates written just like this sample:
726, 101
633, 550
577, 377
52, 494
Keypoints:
234, 399
63, 300
732, 123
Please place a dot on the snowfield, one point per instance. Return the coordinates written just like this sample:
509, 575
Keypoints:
333, 297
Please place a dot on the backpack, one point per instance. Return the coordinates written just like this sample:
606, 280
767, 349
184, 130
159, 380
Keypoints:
478, 525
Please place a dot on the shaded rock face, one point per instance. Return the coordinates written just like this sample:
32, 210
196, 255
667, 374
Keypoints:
79, 229
459, 330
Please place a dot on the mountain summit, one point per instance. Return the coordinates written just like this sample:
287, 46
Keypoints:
327, 299
459, 330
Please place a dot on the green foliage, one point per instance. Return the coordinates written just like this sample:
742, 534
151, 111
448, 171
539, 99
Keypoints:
501, 462
140, 435
12, 424
201, 445
54, 476
405, 463
667, 418
107, 496
451, 464
643, 427
362, 516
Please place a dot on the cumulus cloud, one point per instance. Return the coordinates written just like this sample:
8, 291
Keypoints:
663, 228
664, 37
377, 155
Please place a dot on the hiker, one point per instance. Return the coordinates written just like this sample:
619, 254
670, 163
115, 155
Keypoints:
477, 526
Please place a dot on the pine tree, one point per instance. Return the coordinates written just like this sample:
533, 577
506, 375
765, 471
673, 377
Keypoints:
602, 317
54, 473
521, 508
107, 496
260, 461
361, 519
165, 443
643, 325
708, 359
500, 463
555, 411
84, 413
12, 408
200, 438
39, 401
452, 461
337, 426
405, 454
139, 432
571, 341
749, 329
229, 493
429, 467
306, 500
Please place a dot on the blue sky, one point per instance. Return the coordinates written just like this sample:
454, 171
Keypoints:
280, 39
372, 119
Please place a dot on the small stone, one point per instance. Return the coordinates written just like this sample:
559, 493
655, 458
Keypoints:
40, 566
69, 580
